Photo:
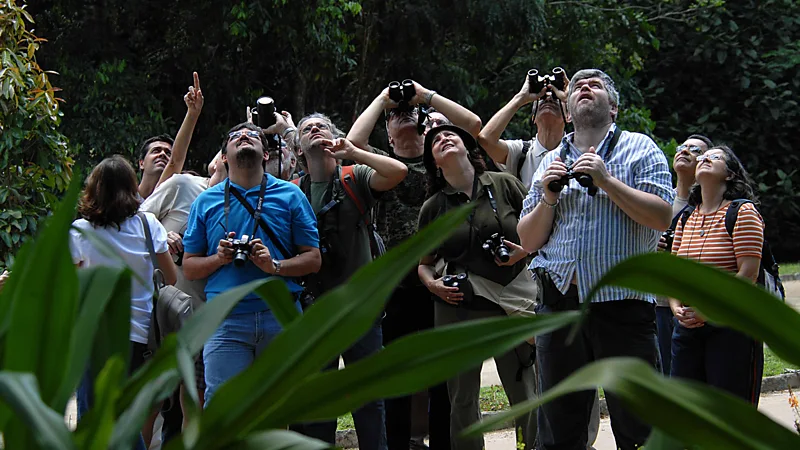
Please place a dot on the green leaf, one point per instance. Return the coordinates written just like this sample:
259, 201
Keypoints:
41, 322
723, 298
280, 301
130, 423
328, 328
278, 440
690, 411
770, 84
404, 367
21, 393
659, 440
95, 428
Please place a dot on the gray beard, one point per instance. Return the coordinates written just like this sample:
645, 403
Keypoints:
246, 158
591, 117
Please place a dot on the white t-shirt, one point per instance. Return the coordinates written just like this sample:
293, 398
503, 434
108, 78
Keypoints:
171, 203
129, 245
536, 152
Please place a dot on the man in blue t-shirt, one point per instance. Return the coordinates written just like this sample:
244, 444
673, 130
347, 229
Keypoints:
209, 252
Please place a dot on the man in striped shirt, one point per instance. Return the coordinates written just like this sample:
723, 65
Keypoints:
579, 237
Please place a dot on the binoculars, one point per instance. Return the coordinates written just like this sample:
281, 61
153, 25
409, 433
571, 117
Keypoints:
583, 179
402, 93
537, 82
460, 281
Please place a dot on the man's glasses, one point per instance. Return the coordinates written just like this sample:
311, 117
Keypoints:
432, 123
249, 133
320, 126
693, 149
711, 157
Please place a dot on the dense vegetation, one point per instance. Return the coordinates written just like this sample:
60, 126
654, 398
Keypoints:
730, 70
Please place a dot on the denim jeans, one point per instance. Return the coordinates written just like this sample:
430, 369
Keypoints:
369, 419
664, 327
235, 345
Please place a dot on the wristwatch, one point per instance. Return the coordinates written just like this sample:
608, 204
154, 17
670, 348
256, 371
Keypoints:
277, 264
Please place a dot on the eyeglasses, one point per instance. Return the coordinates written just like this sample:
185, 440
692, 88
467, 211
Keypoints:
711, 157
249, 133
431, 123
693, 149
320, 126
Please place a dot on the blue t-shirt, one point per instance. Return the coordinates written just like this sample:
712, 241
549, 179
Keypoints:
285, 210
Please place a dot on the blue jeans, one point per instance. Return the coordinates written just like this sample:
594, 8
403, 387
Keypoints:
664, 327
370, 418
235, 345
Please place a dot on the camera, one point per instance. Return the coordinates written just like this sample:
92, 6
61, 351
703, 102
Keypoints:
497, 248
241, 248
583, 179
537, 82
264, 116
460, 281
669, 237
402, 93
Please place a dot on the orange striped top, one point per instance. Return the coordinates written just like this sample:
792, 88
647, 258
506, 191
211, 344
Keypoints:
705, 238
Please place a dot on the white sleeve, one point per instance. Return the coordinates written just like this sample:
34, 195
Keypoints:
161, 201
76, 245
512, 159
158, 232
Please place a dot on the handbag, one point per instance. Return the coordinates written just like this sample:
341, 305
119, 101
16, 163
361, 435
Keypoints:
171, 306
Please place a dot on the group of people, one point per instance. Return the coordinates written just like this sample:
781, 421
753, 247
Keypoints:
539, 237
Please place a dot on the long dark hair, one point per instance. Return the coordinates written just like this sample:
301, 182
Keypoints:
739, 186
111, 193
435, 179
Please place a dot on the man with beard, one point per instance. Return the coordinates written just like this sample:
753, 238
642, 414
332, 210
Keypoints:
283, 242
684, 163
346, 241
580, 234
521, 158
410, 308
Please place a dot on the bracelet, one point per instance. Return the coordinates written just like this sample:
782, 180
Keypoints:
429, 97
544, 202
287, 131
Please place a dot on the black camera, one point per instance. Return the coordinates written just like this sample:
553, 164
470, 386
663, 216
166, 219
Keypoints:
537, 82
583, 179
460, 281
402, 93
241, 248
497, 248
669, 237
264, 116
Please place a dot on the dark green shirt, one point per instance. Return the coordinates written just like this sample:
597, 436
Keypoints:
342, 228
461, 252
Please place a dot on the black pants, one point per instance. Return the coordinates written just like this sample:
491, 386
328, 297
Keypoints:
720, 356
409, 310
616, 328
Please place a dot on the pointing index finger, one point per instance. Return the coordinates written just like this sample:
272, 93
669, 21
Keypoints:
196, 81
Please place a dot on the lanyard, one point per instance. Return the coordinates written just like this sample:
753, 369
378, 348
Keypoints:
256, 213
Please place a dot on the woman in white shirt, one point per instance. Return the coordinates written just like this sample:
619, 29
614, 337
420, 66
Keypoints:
108, 209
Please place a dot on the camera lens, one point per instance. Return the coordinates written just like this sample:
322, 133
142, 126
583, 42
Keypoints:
240, 258
502, 254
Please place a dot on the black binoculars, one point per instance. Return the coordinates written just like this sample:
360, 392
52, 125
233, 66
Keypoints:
537, 82
402, 93
583, 179
669, 238
460, 281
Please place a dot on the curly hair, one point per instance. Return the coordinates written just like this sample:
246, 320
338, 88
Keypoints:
111, 193
740, 186
434, 179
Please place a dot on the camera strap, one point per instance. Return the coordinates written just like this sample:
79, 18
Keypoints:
611, 145
493, 204
255, 213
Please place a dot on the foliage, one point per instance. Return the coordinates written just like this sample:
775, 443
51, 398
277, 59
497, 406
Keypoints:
49, 332
35, 166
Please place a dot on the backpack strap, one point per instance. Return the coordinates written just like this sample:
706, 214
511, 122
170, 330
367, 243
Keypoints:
348, 180
733, 213
685, 213
680, 216
525, 147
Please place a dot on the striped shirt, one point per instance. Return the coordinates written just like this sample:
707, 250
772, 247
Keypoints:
592, 234
705, 239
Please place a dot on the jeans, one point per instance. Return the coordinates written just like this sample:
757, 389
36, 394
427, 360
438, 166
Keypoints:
664, 327
369, 419
720, 356
235, 345
615, 328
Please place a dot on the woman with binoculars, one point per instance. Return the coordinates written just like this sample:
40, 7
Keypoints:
480, 270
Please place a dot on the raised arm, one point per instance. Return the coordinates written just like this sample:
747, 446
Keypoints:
489, 137
455, 113
194, 104
389, 172
362, 128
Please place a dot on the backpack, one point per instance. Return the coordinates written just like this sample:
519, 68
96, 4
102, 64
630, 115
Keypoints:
347, 180
768, 276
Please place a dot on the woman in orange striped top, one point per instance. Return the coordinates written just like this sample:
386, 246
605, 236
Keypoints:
720, 356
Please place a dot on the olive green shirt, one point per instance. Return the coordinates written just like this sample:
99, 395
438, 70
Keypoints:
463, 249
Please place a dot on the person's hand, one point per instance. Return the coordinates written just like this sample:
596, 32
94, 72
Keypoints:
259, 254
516, 254
554, 172
288, 117
175, 243
225, 250
525, 94
448, 294
339, 148
420, 94
282, 122
386, 101
194, 98
593, 165
662, 244
688, 317
561, 95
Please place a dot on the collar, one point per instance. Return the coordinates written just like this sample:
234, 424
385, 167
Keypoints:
569, 139
270, 181
485, 179
538, 148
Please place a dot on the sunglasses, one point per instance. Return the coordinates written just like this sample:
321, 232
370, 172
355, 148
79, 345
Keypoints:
237, 134
693, 149
711, 157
